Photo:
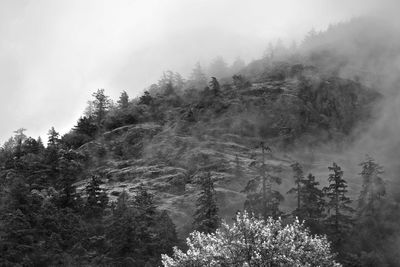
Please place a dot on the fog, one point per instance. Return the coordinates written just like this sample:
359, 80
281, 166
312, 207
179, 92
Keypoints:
54, 54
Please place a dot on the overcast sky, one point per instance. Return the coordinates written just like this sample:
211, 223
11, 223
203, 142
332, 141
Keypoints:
54, 54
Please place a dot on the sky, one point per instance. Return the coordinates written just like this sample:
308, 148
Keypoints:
54, 54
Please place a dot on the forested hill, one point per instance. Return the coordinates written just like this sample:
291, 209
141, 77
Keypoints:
135, 176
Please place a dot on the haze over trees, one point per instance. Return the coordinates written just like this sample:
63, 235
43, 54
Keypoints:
134, 178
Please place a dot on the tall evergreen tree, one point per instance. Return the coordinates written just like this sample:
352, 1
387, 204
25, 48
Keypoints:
218, 68
97, 198
262, 198
312, 203
123, 101
206, 217
298, 181
101, 103
86, 125
69, 166
54, 138
198, 79
339, 218
373, 186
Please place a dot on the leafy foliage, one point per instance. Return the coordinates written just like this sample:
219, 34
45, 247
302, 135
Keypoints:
254, 242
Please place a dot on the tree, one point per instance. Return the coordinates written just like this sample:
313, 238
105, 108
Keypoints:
298, 181
54, 138
146, 98
97, 198
339, 219
250, 241
218, 68
373, 187
137, 232
86, 125
171, 82
198, 79
206, 215
30, 145
166, 233
262, 199
101, 103
19, 138
69, 167
123, 101
313, 203
51, 157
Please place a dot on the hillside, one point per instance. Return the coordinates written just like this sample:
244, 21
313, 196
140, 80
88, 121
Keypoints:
221, 132
282, 137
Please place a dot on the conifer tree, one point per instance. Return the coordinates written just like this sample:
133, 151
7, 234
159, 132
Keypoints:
97, 198
123, 101
262, 199
198, 79
101, 103
339, 219
19, 138
218, 68
206, 215
298, 181
54, 138
146, 98
69, 167
373, 187
51, 154
86, 125
122, 231
313, 203
166, 233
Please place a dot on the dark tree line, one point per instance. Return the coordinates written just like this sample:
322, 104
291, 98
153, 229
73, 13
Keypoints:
46, 221
361, 232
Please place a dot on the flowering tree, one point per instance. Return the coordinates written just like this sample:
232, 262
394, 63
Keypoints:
254, 242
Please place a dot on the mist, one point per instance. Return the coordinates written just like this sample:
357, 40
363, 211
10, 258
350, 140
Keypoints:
54, 54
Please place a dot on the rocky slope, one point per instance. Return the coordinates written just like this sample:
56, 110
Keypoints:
221, 133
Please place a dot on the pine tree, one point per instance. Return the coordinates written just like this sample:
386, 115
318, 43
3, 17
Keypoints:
19, 138
101, 103
262, 199
51, 154
373, 187
218, 68
97, 198
86, 125
69, 167
198, 79
206, 215
146, 98
166, 234
339, 219
54, 138
143, 202
313, 203
298, 181
123, 101
122, 231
